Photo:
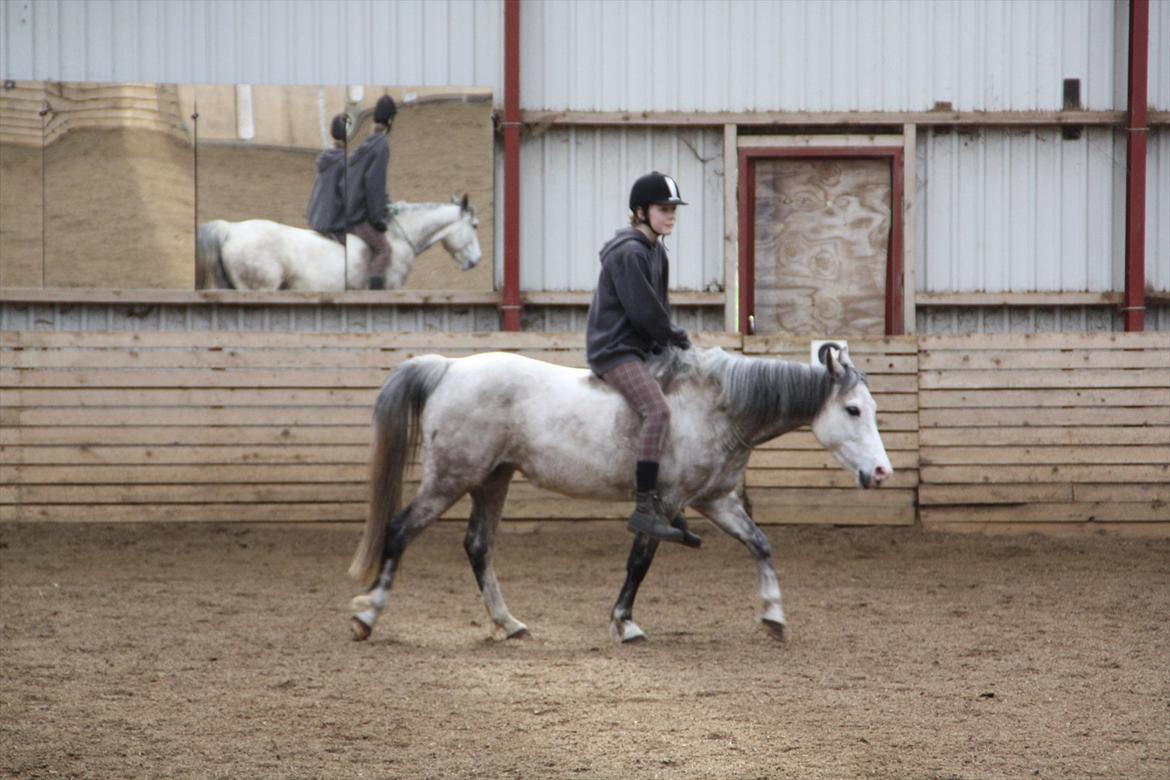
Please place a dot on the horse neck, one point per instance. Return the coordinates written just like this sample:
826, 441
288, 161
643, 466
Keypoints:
767, 397
424, 223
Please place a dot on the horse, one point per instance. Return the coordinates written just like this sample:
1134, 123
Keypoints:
481, 418
258, 254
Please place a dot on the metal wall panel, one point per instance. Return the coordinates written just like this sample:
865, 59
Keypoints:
1158, 210
575, 191
1007, 210
1159, 86
429, 43
822, 55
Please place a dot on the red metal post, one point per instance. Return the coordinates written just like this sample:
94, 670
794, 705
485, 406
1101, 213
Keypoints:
747, 241
895, 314
510, 300
1135, 175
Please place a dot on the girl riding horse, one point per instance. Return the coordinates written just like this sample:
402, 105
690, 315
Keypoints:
629, 319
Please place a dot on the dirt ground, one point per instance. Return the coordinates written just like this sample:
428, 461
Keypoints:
143, 651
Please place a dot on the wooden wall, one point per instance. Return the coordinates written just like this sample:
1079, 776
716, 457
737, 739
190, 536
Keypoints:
1049, 432
793, 479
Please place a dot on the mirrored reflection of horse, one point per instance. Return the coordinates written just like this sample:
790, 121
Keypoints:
258, 254
482, 418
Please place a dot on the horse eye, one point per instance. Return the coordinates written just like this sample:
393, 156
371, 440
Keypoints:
853, 411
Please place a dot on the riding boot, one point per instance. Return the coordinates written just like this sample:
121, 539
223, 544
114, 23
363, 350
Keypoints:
689, 539
648, 518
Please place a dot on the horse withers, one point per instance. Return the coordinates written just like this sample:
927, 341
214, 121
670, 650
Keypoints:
258, 254
480, 419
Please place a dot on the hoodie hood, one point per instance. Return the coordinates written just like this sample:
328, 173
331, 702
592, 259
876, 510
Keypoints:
621, 237
330, 158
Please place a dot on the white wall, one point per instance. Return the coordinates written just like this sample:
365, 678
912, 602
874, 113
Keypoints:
838, 55
1004, 210
1158, 211
574, 196
406, 42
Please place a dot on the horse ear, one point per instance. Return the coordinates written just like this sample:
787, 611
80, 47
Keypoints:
465, 204
830, 355
843, 356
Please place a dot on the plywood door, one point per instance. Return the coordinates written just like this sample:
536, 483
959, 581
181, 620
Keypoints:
822, 230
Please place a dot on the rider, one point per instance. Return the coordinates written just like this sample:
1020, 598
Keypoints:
365, 197
629, 319
327, 200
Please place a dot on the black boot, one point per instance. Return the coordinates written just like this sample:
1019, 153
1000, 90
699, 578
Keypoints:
689, 539
649, 519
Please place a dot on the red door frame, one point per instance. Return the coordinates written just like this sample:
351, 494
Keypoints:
895, 325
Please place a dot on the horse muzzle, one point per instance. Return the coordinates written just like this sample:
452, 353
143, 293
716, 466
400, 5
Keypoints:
875, 478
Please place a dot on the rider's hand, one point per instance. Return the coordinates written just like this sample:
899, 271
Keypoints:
380, 226
680, 339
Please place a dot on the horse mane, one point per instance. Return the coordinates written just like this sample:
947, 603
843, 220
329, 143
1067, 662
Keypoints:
401, 206
755, 392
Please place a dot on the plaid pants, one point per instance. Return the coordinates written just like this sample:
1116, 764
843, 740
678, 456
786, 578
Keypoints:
634, 382
379, 246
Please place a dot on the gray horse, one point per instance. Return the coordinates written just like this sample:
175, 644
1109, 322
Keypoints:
481, 418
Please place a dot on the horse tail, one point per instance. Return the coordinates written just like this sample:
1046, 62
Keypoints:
209, 273
397, 430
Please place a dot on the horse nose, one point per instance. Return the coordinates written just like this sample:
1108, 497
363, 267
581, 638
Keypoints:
881, 474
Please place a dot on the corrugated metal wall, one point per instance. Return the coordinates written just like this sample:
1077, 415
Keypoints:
998, 210
406, 42
575, 189
851, 55
1159, 86
676, 55
1006, 210
1158, 209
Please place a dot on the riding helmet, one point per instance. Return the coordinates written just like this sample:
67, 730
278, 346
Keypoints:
339, 126
655, 187
385, 110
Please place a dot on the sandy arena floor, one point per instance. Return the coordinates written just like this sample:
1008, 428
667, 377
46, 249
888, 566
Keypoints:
192, 651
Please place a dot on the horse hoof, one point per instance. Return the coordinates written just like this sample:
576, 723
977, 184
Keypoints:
776, 629
520, 633
627, 632
361, 631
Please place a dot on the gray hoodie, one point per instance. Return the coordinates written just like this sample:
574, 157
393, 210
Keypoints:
365, 197
326, 201
630, 314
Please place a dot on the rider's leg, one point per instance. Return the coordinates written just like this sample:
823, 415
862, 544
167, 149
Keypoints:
379, 251
633, 380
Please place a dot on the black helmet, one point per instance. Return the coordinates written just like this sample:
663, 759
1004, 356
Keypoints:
338, 127
655, 187
384, 110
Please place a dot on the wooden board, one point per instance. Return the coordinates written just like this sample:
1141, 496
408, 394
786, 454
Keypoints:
1046, 431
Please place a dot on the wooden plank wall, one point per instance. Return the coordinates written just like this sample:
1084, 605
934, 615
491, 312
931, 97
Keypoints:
1048, 432
793, 479
221, 426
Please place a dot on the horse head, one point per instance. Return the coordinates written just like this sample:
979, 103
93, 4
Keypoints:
461, 240
847, 422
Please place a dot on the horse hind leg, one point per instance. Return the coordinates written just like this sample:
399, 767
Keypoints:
427, 506
621, 622
487, 504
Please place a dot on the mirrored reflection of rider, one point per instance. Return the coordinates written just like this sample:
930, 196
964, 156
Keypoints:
327, 200
365, 197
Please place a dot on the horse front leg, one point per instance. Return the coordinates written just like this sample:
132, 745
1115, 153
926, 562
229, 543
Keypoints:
728, 513
487, 504
621, 621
